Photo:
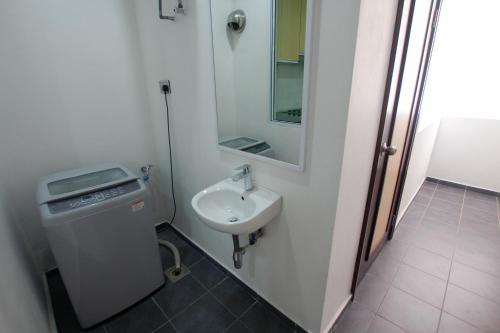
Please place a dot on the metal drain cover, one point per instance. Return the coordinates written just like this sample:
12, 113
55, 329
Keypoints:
233, 219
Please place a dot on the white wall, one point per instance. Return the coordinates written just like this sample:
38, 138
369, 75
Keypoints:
429, 118
463, 79
462, 82
22, 303
373, 47
23, 307
466, 152
243, 67
420, 159
72, 95
289, 265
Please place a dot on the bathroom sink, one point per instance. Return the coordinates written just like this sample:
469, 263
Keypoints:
227, 207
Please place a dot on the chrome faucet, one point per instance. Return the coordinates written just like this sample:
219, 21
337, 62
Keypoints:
245, 174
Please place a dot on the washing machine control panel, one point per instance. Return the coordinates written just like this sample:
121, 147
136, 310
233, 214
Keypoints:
92, 198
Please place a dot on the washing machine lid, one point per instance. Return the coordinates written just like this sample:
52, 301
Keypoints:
66, 184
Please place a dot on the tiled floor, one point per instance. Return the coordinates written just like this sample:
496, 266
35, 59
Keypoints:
207, 300
440, 273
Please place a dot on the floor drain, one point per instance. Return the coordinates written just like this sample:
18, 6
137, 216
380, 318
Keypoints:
233, 219
174, 275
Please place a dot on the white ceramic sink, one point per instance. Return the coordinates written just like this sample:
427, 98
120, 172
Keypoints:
226, 207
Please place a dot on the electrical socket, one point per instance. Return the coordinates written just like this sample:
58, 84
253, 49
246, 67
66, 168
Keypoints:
167, 83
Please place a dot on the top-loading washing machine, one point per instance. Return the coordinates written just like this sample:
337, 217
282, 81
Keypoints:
99, 226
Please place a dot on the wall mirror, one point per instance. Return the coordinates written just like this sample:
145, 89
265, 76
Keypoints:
261, 77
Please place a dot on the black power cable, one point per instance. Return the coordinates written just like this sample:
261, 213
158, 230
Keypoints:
166, 90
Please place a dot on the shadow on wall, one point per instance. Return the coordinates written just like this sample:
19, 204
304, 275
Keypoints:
21, 284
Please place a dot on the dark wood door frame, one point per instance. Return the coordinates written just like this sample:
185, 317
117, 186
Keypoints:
391, 99
417, 103
377, 178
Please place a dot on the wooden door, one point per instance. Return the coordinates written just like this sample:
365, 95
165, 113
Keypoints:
409, 62
401, 123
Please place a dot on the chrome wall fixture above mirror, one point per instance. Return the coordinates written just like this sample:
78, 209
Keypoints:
261, 56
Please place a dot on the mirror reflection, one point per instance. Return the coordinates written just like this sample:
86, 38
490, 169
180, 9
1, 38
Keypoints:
290, 18
259, 56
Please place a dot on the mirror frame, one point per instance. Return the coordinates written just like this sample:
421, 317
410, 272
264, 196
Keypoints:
306, 87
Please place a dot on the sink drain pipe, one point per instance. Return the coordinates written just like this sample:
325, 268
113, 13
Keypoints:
238, 252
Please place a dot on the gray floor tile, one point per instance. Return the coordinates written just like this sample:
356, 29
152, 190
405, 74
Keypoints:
405, 232
237, 327
474, 195
427, 191
428, 262
169, 235
205, 315
434, 215
483, 202
487, 229
436, 243
474, 214
429, 185
438, 228
410, 313
450, 324
142, 318
261, 319
395, 249
381, 325
384, 268
452, 207
422, 198
207, 273
414, 214
299, 329
417, 207
175, 297
234, 296
189, 256
479, 240
450, 189
423, 286
371, 292
412, 219
166, 328
459, 226
451, 196
355, 319
475, 310
479, 259
177, 301
482, 284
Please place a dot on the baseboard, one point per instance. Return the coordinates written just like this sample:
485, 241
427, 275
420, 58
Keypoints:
338, 314
50, 309
463, 186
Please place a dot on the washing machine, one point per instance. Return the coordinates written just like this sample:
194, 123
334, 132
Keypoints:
249, 145
99, 225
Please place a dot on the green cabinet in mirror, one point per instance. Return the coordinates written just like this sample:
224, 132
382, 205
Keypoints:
291, 29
